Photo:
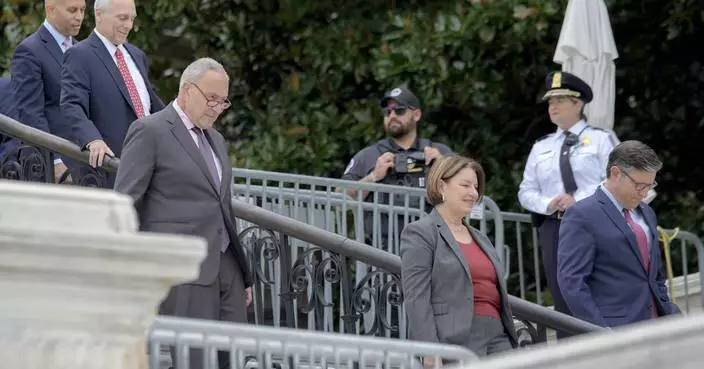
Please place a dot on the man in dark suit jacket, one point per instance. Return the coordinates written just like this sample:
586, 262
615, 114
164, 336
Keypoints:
175, 167
105, 82
36, 70
5, 106
608, 256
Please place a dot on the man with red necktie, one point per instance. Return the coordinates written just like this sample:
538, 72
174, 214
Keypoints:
105, 83
609, 265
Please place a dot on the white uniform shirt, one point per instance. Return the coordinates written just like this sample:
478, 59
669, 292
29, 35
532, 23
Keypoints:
542, 181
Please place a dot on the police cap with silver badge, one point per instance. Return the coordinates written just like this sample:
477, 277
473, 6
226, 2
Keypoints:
403, 96
567, 84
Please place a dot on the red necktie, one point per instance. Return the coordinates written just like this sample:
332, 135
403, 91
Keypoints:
641, 238
642, 241
129, 82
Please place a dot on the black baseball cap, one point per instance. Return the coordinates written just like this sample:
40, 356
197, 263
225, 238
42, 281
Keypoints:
403, 95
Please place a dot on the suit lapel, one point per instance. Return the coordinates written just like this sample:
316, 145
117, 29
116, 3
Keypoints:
106, 58
51, 45
221, 153
450, 241
618, 219
489, 251
185, 139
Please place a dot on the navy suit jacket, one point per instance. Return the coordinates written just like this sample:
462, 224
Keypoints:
599, 267
5, 107
36, 83
94, 97
5, 96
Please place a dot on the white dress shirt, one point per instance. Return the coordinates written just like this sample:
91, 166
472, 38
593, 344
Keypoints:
137, 77
542, 180
189, 126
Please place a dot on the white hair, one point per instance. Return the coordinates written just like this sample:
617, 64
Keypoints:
198, 68
102, 5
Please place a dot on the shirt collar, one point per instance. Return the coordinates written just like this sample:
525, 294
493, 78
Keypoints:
58, 36
181, 114
108, 44
612, 198
415, 146
576, 129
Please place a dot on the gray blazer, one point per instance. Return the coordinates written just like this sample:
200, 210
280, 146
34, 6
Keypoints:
437, 284
163, 171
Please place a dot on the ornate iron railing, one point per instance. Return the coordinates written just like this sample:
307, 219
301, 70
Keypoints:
301, 272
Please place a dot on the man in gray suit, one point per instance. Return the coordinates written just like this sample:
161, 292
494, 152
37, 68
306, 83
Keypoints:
175, 166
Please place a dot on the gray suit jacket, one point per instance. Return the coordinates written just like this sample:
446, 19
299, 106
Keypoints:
163, 171
437, 284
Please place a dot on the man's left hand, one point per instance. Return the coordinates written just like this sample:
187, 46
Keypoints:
248, 295
431, 154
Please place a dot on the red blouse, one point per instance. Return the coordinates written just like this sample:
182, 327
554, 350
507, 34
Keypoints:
487, 299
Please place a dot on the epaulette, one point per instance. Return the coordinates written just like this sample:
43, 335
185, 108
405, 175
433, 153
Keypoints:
544, 137
598, 128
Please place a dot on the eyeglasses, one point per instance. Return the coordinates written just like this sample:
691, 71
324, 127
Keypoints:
212, 102
640, 187
398, 110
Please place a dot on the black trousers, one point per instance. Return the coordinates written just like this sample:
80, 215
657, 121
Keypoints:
548, 234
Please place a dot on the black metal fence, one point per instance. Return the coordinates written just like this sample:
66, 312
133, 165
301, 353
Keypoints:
300, 281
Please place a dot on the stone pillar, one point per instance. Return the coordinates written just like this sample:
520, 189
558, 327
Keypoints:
79, 287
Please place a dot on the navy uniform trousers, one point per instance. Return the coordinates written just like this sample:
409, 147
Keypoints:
548, 233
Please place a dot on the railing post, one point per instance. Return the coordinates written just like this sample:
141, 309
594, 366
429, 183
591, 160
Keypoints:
79, 287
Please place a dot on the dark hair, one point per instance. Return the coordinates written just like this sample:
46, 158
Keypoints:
633, 155
448, 167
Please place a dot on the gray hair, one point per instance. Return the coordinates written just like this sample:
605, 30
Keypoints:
634, 156
198, 68
102, 5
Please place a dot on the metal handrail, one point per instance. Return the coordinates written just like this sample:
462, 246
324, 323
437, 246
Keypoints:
334, 242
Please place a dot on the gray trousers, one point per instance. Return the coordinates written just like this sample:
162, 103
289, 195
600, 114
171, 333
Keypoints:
488, 336
222, 300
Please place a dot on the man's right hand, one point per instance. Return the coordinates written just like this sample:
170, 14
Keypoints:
98, 150
554, 204
383, 164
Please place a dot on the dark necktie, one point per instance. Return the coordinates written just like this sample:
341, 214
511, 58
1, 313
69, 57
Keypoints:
642, 241
207, 153
565, 166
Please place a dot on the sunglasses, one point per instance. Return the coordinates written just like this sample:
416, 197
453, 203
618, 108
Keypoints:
398, 110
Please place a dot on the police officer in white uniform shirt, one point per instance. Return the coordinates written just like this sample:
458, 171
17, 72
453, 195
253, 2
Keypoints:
563, 167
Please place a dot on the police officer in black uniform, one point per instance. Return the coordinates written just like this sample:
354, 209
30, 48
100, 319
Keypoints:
400, 159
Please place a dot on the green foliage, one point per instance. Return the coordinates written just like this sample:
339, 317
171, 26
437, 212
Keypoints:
307, 76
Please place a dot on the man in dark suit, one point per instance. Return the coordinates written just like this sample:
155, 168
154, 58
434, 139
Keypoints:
105, 82
175, 167
5, 106
36, 70
608, 256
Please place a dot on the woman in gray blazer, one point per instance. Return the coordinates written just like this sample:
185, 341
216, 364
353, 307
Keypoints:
452, 278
